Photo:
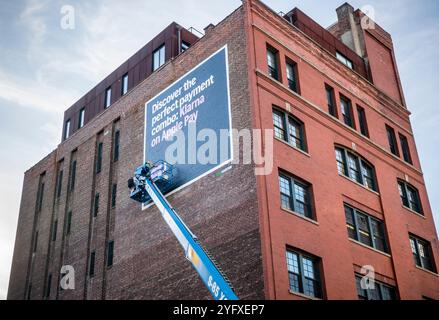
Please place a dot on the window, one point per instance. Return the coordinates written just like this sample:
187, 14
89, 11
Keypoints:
49, 285
35, 242
96, 205
363, 122
107, 97
295, 195
365, 229
392, 140
54, 230
356, 168
116, 146
346, 61
304, 274
330, 97
40, 197
69, 222
73, 176
99, 157
380, 291
273, 64
67, 130
346, 111
278, 123
405, 149
113, 195
410, 196
29, 291
110, 253
295, 133
59, 183
81, 118
91, 267
184, 46
422, 253
158, 58
292, 76
124, 84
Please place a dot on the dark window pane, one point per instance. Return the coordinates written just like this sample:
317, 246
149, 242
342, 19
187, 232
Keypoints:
107, 97
405, 149
73, 176
410, 196
413, 199
330, 97
378, 235
273, 68
124, 85
158, 58
350, 222
392, 141
353, 166
303, 274
387, 293
285, 192
403, 194
343, 59
291, 76
346, 111
59, 184
422, 253
416, 257
295, 132
368, 176
116, 145
40, 197
364, 229
91, 270
99, 157
81, 118
96, 205
69, 222
113, 195
67, 130
301, 200
341, 161
278, 124
362, 293
110, 253
49, 285
363, 123
54, 230
35, 242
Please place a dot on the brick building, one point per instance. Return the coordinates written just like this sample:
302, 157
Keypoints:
346, 190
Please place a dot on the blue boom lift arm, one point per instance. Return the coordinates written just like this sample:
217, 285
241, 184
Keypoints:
148, 183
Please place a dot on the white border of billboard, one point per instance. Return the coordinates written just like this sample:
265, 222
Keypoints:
230, 121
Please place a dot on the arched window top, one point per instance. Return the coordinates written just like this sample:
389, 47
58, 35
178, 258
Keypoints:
355, 167
289, 128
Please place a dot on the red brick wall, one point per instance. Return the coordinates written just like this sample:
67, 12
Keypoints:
327, 236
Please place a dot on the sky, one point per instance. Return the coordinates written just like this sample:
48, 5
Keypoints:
44, 69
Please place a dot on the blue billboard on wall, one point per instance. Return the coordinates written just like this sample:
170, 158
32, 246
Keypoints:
188, 124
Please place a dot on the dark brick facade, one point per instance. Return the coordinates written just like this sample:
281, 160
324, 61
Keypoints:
148, 261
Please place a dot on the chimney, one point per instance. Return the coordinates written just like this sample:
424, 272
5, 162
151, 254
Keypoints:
349, 33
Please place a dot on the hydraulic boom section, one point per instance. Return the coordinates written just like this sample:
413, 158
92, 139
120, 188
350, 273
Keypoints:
148, 183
